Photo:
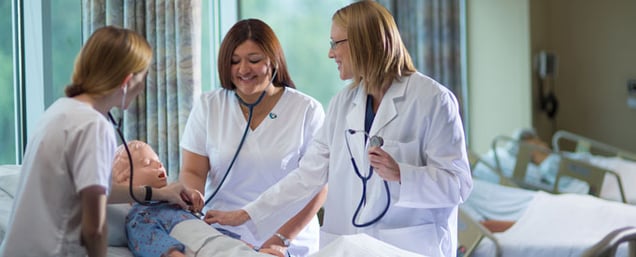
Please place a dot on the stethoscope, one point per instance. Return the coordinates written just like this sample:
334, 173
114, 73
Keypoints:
250, 107
373, 141
130, 161
118, 126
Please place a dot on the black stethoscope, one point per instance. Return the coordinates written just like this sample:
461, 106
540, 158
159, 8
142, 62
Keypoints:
130, 161
373, 141
118, 126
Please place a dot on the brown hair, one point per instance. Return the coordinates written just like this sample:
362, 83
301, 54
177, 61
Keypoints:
378, 55
261, 34
109, 55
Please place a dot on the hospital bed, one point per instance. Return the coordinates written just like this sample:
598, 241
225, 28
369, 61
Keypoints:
562, 171
545, 224
350, 246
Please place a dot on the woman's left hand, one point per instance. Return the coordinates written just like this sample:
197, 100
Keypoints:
231, 218
384, 164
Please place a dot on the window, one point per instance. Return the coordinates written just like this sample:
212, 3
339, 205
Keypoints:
303, 28
38, 58
66, 41
52, 34
7, 103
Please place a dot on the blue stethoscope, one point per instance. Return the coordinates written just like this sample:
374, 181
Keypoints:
373, 141
250, 107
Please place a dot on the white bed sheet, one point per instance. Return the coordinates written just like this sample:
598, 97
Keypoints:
561, 225
361, 245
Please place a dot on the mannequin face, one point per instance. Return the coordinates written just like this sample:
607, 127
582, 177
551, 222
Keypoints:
148, 169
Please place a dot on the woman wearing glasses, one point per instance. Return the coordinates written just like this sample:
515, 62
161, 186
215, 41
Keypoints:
404, 190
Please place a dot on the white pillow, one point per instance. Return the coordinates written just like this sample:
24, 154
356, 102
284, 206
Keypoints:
116, 218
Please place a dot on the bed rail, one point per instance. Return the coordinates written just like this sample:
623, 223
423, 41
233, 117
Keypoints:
579, 143
593, 175
608, 246
471, 233
523, 157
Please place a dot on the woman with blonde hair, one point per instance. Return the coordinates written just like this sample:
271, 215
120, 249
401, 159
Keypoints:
60, 206
392, 148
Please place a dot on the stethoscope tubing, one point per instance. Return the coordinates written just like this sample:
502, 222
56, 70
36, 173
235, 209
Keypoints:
364, 179
130, 161
240, 146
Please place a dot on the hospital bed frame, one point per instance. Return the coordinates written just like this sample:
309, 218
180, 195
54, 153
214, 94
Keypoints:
608, 246
593, 175
568, 141
471, 233
522, 159
503, 180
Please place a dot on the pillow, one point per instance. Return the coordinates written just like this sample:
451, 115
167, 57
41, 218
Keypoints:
116, 218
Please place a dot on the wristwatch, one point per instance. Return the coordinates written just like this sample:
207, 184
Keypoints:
286, 241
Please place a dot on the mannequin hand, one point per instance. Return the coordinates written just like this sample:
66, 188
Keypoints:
232, 218
384, 164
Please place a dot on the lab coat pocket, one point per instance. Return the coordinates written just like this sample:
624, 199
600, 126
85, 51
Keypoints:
407, 152
422, 239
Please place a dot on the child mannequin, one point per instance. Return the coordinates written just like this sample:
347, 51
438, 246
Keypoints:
164, 229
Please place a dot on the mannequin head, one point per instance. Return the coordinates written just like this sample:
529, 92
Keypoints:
148, 169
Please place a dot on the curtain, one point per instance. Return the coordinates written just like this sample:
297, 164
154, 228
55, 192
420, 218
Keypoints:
158, 115
431, 32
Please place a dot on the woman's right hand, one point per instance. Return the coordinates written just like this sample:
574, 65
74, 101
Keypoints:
231, 218
279, 251
176, 193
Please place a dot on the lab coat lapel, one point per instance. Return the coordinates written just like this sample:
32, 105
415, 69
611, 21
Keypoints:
388, 108
355, 121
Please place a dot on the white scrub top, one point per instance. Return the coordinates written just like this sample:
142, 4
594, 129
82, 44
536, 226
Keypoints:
215, 128
422, 130
72, 147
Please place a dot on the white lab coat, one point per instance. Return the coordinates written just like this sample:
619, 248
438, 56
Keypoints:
420, 123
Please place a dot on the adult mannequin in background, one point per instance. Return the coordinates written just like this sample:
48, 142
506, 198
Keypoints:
423, 162
60, 207
217, 141
164, 229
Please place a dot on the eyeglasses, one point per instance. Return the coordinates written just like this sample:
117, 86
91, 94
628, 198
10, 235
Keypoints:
335, 43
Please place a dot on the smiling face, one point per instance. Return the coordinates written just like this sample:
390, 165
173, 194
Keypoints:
250, 70
147, 168
340, 51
